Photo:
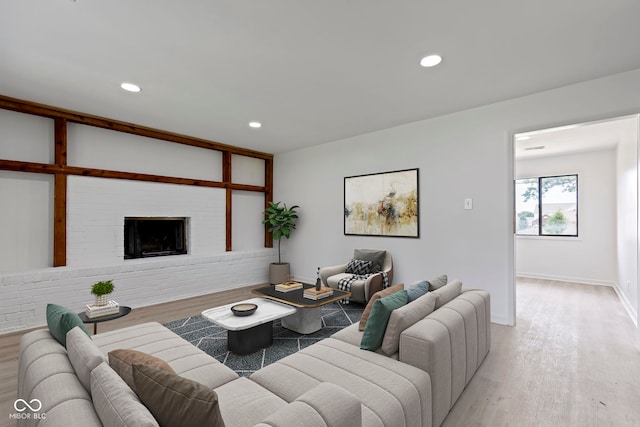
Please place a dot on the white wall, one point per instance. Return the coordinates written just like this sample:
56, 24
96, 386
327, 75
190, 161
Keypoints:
465, 154
592, 256
627, 218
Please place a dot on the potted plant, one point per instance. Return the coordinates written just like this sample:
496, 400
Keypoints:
279, 220
102, 290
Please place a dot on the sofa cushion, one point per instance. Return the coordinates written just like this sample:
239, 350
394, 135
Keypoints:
116, 404
379, 317
438, 282
187, 360
417, 290
404, 317
375, 256
61, 320
176, 401
359, 267
447, 293
122, 361
246, 403
84, 355
380, 294
392, 393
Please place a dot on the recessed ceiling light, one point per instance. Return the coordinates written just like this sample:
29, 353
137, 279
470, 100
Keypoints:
255, 124
130, 87
431, 60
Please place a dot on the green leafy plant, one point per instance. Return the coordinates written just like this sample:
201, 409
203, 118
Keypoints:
280, 220
556, 223
102, 288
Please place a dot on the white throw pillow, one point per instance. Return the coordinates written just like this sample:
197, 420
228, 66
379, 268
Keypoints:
403, 317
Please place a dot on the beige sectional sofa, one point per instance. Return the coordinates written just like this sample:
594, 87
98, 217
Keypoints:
330, 383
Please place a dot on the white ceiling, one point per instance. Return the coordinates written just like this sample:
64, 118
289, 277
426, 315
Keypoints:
311, 71
583, 137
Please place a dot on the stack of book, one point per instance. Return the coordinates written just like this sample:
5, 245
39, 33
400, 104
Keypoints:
288, 286
324, 292
92, 311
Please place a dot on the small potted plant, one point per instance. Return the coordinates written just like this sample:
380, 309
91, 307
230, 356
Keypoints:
279, 220
102, 290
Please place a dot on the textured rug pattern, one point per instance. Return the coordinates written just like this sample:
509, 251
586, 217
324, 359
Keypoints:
212, 339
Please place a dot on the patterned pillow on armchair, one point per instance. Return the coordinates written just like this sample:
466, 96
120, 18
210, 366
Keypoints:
359, 266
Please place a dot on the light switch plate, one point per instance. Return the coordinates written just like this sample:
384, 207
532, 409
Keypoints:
468, 203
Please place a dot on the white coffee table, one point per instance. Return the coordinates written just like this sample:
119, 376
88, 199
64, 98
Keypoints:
247, 334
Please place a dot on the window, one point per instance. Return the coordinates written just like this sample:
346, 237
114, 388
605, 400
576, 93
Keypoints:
547, 206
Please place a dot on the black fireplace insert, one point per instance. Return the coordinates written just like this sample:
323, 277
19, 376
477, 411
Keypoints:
154, 236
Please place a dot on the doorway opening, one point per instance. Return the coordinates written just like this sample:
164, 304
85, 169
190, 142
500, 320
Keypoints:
601, 203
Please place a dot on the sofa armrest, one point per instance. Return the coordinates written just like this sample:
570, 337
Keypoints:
449, 344
327, 272
324, 405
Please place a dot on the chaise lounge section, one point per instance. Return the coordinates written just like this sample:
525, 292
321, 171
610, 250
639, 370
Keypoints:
330, 383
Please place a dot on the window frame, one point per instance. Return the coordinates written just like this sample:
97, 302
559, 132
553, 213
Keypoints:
541, 233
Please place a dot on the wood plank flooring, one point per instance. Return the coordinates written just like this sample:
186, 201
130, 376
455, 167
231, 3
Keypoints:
573, 359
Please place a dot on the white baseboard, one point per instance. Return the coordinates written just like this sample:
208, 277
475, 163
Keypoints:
627, 305
569, 279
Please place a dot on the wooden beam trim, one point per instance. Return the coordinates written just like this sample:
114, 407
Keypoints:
268, 197
28, 107
46, 168
60, 195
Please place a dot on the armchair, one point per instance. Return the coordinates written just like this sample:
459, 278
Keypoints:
361, 290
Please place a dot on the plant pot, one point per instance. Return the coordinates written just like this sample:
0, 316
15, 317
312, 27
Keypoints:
279, 272
102, 299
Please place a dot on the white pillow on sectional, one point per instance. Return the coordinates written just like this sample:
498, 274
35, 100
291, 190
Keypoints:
403, 317
447, 293
84, 355
115, 403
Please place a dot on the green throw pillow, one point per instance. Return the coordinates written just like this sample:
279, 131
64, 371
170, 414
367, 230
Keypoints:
379, 317
61, 320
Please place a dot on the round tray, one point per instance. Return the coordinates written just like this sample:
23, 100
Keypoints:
244, 309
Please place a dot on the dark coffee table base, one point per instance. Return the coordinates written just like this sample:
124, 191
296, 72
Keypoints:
250, 340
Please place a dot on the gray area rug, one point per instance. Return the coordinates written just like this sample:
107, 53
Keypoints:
212, 339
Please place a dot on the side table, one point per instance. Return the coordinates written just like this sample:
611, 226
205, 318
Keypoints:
124, 310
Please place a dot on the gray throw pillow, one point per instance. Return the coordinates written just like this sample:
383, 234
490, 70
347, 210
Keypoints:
376, 257
416, 291
438, 282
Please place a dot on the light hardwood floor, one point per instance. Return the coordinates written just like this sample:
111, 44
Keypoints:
573, 359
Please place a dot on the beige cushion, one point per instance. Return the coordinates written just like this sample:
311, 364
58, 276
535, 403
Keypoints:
187, 360
438, 282
176, 401
392, 393
447, 293
246, 403
122, 361
403, 317
84, 355
323, 406
380, 294
116, 404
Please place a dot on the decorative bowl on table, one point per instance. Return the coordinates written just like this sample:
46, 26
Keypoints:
244, 309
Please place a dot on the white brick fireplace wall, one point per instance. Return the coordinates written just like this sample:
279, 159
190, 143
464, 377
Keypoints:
96, 208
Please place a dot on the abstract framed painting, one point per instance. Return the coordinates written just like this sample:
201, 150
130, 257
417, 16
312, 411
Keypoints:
382, 204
